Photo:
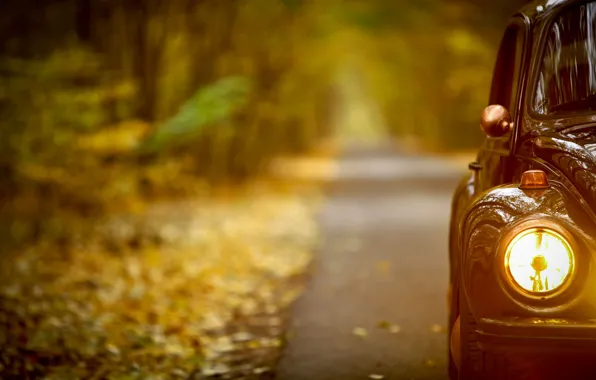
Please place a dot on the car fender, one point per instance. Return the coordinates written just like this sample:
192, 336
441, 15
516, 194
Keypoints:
488, 218
461, 200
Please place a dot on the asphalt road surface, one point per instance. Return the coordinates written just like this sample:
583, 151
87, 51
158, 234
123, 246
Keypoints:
376, 301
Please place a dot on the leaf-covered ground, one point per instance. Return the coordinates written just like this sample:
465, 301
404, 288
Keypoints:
152, 295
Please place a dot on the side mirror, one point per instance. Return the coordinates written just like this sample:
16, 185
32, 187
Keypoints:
495, 121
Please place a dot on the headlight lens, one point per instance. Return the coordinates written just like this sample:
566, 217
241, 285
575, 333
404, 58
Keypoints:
539, 261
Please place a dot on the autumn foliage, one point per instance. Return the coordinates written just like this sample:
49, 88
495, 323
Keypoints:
112, 109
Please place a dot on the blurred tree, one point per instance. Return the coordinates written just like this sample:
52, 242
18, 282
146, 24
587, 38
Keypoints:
430, 64
86, 86
220, 87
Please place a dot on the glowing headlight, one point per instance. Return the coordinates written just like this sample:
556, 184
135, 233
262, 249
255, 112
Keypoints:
539, 260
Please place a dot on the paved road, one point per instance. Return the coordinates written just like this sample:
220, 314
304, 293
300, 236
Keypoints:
383, 258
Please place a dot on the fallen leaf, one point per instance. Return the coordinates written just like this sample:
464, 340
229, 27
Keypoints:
394, 329
383, 325
261, 370
359, 331
242, 336
215, 369
376, 376
112, 349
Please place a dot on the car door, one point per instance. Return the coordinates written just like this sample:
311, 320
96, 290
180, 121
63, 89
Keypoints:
494, 157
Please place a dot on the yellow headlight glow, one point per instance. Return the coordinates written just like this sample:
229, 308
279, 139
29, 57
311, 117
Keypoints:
539, 260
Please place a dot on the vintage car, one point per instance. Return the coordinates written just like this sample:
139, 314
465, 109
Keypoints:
522, 291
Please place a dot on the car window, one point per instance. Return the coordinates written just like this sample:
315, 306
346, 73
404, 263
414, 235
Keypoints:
567, 78
506, 75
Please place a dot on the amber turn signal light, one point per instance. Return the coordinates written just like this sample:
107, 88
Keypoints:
534, 180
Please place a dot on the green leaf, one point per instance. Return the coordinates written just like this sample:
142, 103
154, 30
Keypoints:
207, 107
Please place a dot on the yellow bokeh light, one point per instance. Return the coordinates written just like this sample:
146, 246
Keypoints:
539, 261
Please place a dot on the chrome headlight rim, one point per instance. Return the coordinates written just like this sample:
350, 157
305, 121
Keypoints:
556, 297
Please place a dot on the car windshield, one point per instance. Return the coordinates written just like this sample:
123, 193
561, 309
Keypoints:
567, 81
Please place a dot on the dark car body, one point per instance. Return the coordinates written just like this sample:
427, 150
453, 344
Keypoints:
545, 76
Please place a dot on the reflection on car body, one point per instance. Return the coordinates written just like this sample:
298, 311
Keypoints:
523, 224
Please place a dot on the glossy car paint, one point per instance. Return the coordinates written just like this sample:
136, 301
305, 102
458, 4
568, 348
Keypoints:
488, 203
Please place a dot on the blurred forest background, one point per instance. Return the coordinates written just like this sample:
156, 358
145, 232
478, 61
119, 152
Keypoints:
123, 122
104, 102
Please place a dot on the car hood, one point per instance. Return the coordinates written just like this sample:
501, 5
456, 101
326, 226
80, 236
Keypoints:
573, 155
